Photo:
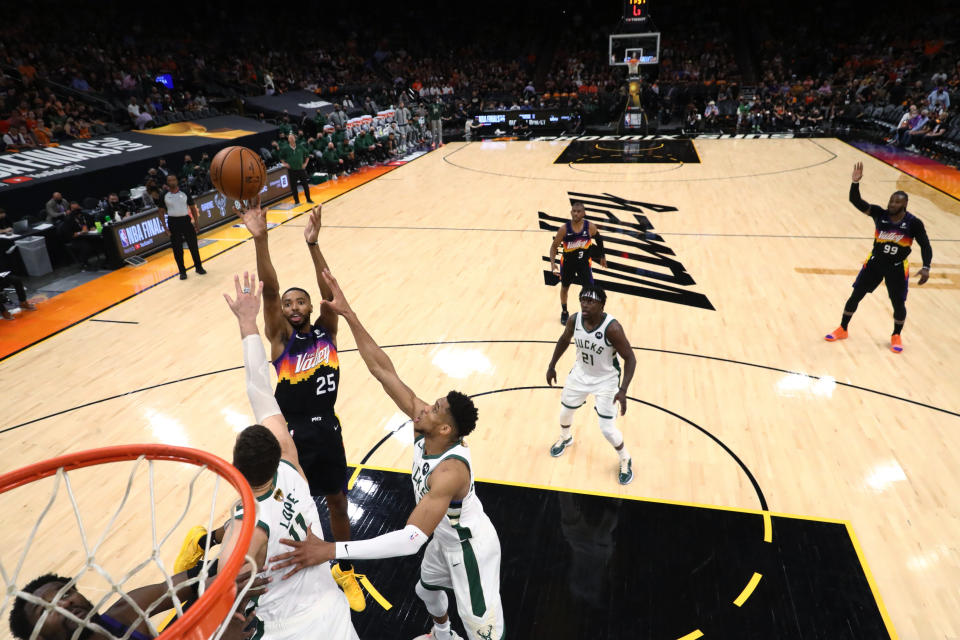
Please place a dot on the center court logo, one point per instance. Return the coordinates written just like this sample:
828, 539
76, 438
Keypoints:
639, 263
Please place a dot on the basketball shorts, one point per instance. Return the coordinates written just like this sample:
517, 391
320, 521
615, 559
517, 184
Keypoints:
896, 276
577, 387
329, 619
472, 572
319, 441
575, 269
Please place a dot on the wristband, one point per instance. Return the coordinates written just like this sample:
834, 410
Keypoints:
312, 244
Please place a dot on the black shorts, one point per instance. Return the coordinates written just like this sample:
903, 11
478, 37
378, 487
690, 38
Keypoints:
319, 441
896, 276
576, 270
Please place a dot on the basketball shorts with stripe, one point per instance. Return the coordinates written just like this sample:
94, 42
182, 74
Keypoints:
472, 572
576, 388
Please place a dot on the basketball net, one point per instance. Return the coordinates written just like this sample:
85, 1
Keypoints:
633, 67
219, 597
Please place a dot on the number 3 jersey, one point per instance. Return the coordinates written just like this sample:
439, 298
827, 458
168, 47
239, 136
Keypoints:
286, 511
596, 360
308, 374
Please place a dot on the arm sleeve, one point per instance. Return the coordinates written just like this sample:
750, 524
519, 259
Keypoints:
598, 240
257, 372
926, 251
402, 542
856, 200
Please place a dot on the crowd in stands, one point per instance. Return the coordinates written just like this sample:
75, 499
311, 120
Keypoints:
806, 72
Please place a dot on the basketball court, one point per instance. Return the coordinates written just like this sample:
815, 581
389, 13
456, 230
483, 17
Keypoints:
784, 486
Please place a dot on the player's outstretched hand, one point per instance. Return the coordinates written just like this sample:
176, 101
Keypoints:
555, 268
247, 303
621, 397
924, 275
551, 376
338, 304
312, 230
857, 172
255, 219
306, 553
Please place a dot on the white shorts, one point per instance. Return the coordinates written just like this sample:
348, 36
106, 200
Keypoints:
330, 618
472, 572
576, 389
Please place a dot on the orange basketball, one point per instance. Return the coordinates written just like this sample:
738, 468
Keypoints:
238, 173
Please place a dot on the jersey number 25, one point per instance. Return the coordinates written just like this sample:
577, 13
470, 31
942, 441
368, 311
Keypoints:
327, 384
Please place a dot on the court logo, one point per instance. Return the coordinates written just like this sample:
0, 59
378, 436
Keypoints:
639, 263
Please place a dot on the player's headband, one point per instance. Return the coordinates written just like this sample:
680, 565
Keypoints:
593, 295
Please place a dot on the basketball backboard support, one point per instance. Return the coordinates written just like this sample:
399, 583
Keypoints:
624, 46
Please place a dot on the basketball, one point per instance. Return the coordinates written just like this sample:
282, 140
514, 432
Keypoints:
238, 173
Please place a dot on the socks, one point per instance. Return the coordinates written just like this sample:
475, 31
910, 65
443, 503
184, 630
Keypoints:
441, 631
845, 321
566, 432
345, 565
563, 307
897, 328
623, 453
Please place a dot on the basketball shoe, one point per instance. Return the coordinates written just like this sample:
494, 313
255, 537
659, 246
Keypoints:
351, 588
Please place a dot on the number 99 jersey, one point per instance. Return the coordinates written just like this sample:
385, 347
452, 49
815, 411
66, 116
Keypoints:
893, 241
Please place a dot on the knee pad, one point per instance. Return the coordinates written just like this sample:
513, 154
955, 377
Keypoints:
435, 600
609, 430
566, 415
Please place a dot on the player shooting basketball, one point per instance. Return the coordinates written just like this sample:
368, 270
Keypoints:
464, 554
308, 379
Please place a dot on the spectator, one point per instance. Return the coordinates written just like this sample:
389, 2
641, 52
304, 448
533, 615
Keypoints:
711, 114
939, 98
5, 225
56, 207
133, 109
42, 133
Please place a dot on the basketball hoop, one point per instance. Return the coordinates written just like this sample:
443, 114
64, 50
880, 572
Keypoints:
208, 616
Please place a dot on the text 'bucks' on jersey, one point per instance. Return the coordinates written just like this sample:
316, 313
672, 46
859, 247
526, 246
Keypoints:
286, 512
465, 518
596, 358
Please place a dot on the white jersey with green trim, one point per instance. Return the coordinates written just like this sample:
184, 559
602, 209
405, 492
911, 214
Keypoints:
286, 512
466, 518
596, 360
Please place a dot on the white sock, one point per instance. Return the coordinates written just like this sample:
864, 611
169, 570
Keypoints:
442, 631
566, 432
623, 453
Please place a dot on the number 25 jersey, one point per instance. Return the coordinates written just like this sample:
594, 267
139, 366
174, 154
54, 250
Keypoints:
308, 374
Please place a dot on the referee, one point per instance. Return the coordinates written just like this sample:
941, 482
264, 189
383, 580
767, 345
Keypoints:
295, 159
183, 221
